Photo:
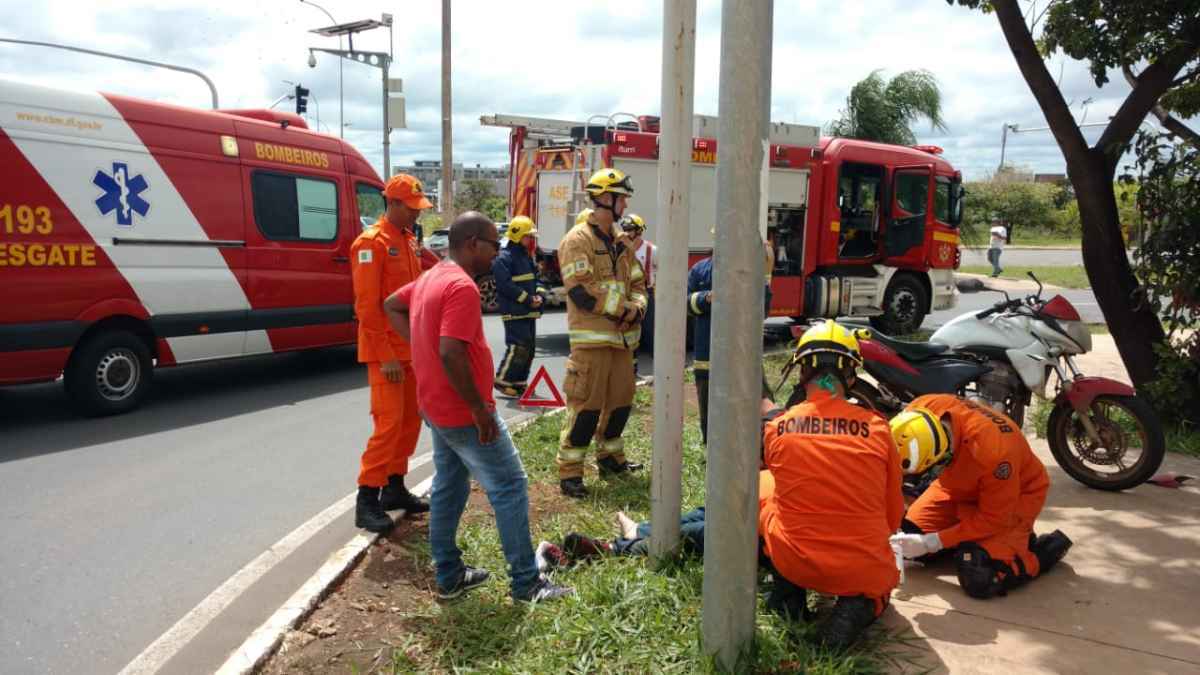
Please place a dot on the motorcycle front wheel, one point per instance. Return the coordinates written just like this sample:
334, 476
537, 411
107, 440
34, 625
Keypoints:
1131, 450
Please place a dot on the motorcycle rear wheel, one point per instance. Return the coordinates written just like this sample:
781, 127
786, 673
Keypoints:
1124, 423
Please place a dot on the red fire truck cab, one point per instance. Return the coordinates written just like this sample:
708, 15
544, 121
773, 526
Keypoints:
858, 228
136, 234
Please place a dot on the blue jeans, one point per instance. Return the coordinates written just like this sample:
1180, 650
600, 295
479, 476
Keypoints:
993, 256
457, 456
691, 533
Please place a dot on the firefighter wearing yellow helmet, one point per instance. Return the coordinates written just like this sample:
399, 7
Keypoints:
521, 299
606, 301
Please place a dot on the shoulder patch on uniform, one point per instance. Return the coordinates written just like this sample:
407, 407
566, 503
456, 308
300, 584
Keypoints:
364, 256
1003, 471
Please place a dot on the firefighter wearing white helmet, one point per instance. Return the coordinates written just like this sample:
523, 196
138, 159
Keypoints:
606, 301
521, 299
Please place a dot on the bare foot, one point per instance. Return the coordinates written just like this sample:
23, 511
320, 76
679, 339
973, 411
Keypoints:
627, 525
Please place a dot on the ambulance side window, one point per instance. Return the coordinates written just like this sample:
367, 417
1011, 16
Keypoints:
294, 208
370, 203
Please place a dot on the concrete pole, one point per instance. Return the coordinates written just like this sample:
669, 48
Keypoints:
670, 320
387, 133
730, 558
446, 194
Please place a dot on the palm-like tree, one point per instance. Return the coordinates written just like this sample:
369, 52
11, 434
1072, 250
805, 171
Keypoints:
884, 110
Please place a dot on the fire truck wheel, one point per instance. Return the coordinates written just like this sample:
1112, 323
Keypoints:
109, 374
488, 300
904, 306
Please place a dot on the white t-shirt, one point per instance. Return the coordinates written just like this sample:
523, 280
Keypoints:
999, 234
647, 255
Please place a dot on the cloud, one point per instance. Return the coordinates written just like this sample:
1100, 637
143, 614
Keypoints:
549, 59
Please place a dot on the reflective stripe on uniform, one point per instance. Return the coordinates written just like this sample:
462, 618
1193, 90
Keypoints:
517, 317
613, 300
639, 299
523, 277
612, 444
699, 365
569, 454
592, 337
636, 273
523, 295
694, 301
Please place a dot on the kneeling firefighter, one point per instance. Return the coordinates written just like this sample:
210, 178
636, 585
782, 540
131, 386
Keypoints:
989, 490
521, 302
606, 301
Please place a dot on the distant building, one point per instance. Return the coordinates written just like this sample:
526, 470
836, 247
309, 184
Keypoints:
429, 172
1055, 178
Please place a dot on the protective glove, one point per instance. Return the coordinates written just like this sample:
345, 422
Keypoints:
917, 545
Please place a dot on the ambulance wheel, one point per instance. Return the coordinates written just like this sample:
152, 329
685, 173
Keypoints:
109, 374
904, 306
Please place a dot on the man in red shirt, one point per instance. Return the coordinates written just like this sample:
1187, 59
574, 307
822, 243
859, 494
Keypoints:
440, 315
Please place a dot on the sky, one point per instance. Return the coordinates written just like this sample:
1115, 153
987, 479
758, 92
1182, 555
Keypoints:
563, 59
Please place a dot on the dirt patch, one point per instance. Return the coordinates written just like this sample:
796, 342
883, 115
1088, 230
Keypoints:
356, 626
544, 501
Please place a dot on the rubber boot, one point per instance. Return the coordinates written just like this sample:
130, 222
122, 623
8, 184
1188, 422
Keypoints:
610, 467
368, 514
847, 620
788, 600
1050, 548
396, 496
573, 487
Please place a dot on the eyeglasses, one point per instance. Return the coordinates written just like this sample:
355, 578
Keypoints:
494, 242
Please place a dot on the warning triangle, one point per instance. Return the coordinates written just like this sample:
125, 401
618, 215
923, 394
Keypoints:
528, 399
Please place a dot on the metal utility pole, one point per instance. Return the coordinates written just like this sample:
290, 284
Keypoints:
730, 558
341, 96
446, 194
670, 321
211, 87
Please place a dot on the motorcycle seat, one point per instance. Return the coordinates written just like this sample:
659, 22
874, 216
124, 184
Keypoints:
911, 351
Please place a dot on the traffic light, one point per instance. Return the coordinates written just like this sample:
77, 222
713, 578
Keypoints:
301, 100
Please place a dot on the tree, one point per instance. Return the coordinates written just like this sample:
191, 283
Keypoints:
1108, 34
478, 195
884, 110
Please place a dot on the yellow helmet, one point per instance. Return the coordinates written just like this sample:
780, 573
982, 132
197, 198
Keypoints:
583, 216
830, 344
921, 440
612, 181
519, 228
633, 221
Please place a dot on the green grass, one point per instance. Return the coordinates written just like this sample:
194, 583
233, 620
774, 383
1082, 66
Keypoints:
1044, 239
1182, 438
626, 616
1066, 277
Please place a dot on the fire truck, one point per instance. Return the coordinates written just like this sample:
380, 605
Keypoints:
858, 228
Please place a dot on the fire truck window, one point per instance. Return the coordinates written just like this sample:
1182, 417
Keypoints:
371, 204
947, 201
291, 208
912, 192
859, 189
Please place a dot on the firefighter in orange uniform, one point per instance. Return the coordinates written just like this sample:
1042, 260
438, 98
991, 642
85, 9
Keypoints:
989, 490
383, 258
831, 495
606, 301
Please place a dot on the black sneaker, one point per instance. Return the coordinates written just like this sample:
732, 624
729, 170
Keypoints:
396, 496
1050, 548
470, 578
508, 390
545, 590
847, 620
368, 514
573, 487
611, 467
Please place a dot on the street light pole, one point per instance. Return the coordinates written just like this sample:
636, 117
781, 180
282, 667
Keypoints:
380, 60
446, 194
211, 87
341, 100
730, 558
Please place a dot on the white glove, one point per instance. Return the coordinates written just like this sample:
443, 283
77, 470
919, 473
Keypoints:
917, 545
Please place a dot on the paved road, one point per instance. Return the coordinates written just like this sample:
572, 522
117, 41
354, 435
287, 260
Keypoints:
113, 529
1025, 256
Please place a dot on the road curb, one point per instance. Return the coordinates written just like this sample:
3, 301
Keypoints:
266, 639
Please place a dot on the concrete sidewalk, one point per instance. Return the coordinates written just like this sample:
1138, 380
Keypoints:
1126, 599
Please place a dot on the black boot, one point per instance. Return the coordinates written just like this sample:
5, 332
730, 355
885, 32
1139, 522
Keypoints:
368, 514
611, 467
1050, 548
788, 600
573, 487
396, 496
847, 620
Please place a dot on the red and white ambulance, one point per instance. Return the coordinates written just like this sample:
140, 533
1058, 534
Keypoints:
136, 234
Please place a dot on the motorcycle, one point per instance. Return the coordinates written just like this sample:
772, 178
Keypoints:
1099, 431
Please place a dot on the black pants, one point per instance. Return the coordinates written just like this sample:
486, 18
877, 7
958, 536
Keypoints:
520, 336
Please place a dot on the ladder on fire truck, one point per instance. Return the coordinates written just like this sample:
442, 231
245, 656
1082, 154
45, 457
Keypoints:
560, 134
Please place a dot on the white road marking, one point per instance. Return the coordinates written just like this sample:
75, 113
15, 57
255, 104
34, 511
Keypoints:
178, 636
